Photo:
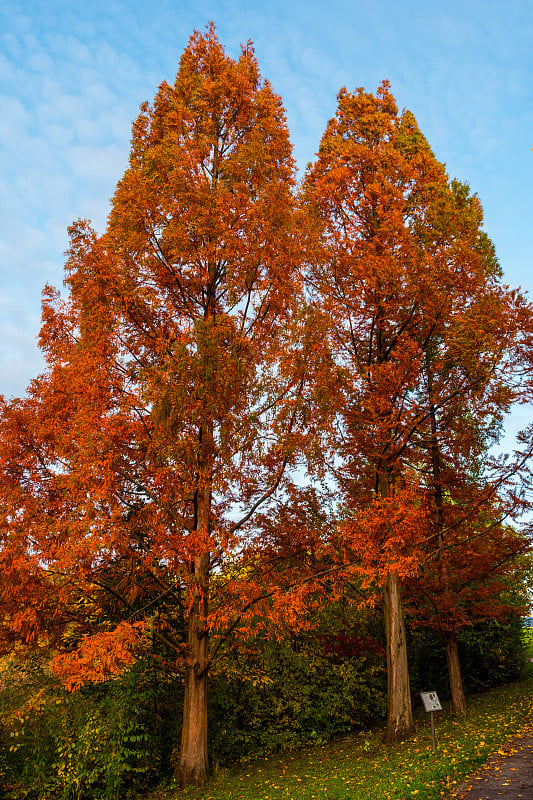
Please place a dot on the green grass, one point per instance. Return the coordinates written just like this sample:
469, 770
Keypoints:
361, 767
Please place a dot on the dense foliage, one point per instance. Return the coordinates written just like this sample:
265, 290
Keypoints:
107, 741
260, 451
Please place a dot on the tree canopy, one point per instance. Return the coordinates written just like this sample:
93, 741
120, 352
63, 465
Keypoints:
230, 345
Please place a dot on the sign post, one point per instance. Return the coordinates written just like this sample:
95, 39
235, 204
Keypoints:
431, 704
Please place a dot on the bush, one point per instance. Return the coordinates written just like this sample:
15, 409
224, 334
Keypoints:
491, 654
110, 740
104, 741
305, 689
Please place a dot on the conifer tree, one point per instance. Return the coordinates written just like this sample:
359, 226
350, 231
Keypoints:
173, 401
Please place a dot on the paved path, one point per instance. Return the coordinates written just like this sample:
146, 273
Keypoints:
506, 776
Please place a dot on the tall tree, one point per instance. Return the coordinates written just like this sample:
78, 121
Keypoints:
401, 264
472, 375
174, 400
372, 182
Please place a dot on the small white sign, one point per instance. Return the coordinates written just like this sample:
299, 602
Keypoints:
431, 701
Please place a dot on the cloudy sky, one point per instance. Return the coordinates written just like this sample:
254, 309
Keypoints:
72, 77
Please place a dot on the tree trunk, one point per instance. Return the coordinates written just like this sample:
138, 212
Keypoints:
193, 765
400, 716
454, 671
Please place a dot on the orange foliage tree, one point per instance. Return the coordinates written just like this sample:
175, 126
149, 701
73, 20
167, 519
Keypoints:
471, 548
403, 273
188, 379
174, 402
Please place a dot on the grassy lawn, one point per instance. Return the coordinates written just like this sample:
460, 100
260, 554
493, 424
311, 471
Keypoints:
362, 768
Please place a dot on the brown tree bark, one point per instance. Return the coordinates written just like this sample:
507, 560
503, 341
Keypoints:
454, 671
193, 765
400, 716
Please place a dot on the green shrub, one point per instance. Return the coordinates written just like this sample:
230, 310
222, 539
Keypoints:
110, 740
103, 741
428, 669
307, 688
491, 654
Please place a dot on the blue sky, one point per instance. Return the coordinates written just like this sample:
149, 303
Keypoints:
72, 77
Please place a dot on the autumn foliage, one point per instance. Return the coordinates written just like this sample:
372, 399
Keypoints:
227, 347
423, 335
